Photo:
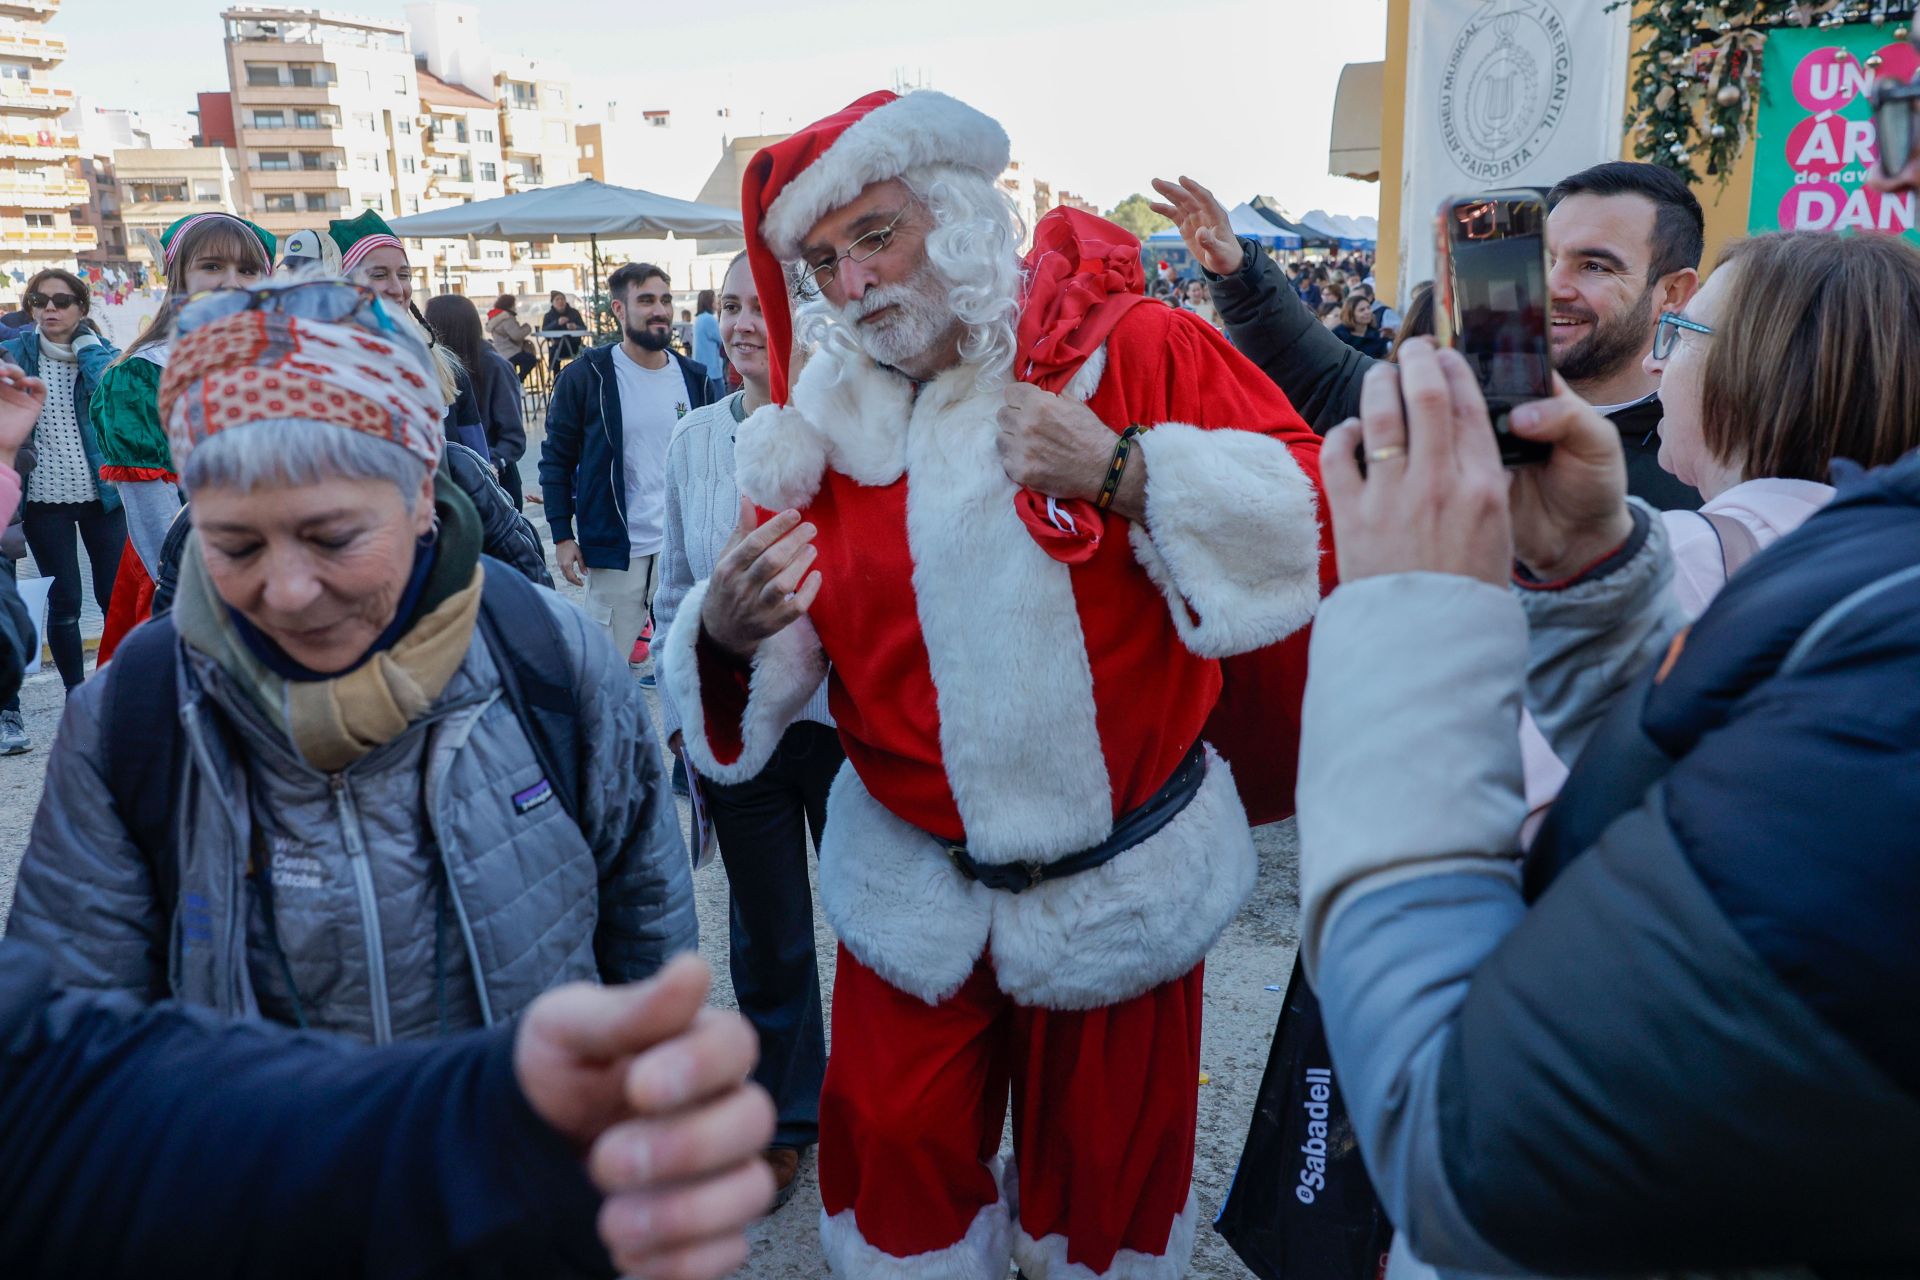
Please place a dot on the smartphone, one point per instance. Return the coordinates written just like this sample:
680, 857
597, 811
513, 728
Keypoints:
1493, 306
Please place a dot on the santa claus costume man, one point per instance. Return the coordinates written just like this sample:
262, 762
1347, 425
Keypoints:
1015, 516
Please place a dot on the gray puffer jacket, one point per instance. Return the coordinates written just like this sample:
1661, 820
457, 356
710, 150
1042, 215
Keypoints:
429, 887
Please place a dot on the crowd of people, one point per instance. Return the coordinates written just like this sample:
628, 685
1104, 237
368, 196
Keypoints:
967, 569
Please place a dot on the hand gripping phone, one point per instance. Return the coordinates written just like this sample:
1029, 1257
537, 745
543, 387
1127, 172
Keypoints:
1493, 306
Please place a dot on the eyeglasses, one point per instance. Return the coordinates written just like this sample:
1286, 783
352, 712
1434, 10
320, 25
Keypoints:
1667, 332
326, 301
1895, 103
58, 301
814, 281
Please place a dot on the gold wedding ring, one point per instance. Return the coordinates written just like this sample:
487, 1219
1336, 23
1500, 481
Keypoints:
1386, 452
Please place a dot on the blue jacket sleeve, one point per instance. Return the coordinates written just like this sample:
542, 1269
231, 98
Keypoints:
560, 450
162, 1142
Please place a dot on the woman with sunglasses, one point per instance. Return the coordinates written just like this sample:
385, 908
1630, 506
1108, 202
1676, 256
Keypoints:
68, 506
203, 252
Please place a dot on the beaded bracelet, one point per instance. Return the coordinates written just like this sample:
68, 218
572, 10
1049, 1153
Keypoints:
1122, 449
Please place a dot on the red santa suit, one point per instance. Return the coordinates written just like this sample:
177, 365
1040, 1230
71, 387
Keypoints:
999, 691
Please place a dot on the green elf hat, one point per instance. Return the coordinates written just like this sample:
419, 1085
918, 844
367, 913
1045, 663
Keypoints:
358, 237
170, 238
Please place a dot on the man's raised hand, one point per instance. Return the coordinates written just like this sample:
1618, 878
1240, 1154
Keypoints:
761, 584
1202, 222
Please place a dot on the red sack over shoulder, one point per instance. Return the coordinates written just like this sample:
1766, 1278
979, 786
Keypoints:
1084, 275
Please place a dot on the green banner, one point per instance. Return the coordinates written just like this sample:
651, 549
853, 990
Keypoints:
1815, 146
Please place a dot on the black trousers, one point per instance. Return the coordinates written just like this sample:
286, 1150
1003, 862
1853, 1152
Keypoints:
524, 363
762, 825
55, 532
12, 574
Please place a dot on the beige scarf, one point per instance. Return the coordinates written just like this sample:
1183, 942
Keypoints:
334, 722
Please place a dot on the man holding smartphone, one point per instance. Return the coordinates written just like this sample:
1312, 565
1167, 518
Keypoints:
1624, 243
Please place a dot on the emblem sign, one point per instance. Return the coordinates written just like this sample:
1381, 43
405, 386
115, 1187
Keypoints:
1505, 87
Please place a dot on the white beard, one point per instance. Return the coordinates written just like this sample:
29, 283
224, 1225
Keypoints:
922, 317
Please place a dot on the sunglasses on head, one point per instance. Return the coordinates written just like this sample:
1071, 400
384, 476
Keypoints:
58, 301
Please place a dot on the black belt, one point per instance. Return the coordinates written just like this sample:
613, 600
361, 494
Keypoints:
1131, 829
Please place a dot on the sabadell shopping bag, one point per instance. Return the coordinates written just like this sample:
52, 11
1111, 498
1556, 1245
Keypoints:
1301, 1207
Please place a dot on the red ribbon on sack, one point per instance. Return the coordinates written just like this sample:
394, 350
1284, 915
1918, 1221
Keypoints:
1082, 275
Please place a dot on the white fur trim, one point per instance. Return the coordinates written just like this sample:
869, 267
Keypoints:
1046, 1258
862, 412
981, 1254
1086, 379
1018, 732
1103, 936
1230, 537
1147, 917
787, 668
916, 129
894, 897
778, 457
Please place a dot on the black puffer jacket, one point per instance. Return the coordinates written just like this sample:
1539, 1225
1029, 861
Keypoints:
506, 534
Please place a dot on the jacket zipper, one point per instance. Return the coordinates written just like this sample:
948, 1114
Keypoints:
369, 909
435, 779
616, 454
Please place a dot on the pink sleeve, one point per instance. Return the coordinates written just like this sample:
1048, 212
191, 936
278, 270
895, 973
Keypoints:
9, 495
1545, 774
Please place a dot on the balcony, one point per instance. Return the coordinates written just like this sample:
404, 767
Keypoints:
46, 145
262, 180
287, 95
31, 10
74, 239
24, 193
43, 51
16, 95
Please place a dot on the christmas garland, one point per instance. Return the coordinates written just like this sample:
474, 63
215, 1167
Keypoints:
1697, 80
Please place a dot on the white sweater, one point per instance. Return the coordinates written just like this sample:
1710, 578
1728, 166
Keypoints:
703, 505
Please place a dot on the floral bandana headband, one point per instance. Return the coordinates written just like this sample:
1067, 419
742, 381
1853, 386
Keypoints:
320, 351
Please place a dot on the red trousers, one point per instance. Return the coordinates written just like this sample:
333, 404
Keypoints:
1104, 1104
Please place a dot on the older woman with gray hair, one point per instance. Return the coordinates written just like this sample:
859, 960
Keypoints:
360, 778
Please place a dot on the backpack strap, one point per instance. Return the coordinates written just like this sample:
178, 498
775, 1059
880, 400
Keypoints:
521, 632
142, 749
1737, 543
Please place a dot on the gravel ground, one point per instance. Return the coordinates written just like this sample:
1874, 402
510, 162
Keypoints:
1256, 952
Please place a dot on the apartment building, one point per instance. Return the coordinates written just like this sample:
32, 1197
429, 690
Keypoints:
40, 174
159, 185
326, 116
531, 133
461, 139
104, 133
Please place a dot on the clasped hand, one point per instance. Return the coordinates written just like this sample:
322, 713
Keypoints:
1434, 496
651, 1087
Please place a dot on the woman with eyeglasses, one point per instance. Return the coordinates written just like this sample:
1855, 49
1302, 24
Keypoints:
68, 506
1762, 398
203, 252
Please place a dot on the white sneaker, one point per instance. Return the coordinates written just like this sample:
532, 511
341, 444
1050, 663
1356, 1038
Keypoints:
13, 735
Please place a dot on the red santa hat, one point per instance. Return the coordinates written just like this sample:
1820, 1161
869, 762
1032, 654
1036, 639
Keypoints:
792, 184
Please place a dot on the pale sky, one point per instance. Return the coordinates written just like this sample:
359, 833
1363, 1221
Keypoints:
1098, 96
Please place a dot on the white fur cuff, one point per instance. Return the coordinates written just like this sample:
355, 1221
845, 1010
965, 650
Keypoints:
1231, 537
788, 667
